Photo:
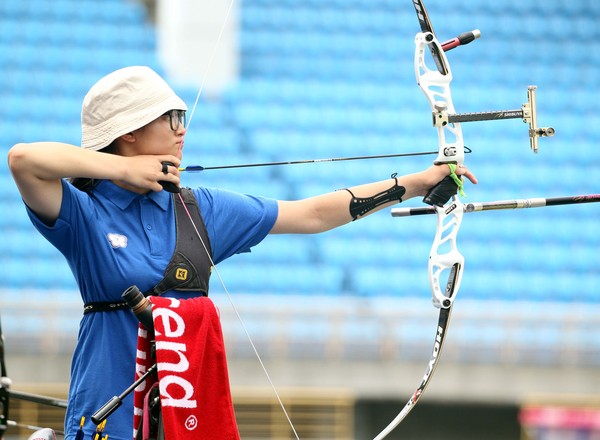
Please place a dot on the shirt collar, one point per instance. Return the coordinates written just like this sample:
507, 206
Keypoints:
123, 198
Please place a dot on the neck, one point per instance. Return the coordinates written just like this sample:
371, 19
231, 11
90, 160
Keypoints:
130, 187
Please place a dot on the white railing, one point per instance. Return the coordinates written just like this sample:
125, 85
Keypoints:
350, 328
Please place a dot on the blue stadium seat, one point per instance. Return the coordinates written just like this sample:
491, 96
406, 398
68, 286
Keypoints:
335, 79
281, 279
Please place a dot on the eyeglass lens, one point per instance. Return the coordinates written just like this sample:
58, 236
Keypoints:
176, 118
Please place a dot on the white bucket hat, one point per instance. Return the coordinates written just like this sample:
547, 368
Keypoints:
123, 101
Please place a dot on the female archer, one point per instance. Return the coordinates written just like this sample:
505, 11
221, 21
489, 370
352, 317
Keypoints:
102, 205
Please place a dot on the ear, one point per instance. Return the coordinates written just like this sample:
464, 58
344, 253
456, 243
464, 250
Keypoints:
128, 137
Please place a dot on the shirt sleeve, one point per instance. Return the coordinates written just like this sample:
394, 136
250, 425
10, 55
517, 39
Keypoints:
61, 233
235, 222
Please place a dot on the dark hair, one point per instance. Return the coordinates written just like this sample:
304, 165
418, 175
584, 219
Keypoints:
87, 184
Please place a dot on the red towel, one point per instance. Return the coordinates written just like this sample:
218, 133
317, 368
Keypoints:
192, 370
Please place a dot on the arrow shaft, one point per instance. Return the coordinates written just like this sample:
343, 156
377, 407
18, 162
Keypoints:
197, 168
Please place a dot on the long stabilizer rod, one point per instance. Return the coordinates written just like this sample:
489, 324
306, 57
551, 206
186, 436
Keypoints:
538, 202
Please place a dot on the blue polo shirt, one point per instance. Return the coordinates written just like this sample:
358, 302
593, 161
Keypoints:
113, 238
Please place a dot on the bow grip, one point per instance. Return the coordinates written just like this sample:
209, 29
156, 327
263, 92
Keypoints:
442, 192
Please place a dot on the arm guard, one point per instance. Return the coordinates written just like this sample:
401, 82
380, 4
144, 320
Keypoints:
359, 206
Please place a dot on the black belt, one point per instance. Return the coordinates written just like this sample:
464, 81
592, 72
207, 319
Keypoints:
107, 306
104, 306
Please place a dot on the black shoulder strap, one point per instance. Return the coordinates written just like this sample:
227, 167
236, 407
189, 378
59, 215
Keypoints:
191, 264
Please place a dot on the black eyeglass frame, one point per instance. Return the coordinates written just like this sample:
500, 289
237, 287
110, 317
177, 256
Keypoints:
176, 118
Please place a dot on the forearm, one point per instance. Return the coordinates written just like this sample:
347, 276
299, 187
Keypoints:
39, 167
48, 161
39, 163
360, 201
414, 185
328, 211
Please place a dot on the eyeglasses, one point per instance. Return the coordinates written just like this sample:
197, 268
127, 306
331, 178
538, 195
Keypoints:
176, 118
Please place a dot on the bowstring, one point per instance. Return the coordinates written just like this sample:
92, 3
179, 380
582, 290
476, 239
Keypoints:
208, 65
239, 317
217, 272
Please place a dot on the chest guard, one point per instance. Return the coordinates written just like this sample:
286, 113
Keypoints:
190, 266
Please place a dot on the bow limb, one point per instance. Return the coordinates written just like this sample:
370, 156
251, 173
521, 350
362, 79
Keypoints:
440, 337
444, 257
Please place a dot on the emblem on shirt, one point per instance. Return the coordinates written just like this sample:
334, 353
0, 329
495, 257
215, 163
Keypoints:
117, 240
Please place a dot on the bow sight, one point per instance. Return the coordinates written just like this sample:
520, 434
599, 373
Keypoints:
528, 113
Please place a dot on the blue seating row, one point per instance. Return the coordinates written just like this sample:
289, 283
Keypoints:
78, 59
112, 34
305, 95
74, 11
